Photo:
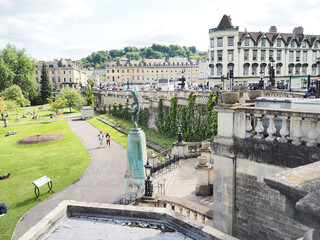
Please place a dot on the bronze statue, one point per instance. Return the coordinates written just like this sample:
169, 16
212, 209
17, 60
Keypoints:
135, 107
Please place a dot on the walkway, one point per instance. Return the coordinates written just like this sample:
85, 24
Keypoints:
102, 182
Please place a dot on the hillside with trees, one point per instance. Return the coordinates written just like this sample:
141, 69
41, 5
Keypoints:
98, 59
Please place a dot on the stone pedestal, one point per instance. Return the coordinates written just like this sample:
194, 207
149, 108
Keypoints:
137, 157
179, 149
203, 168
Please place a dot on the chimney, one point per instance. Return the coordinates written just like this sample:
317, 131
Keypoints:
273, 29
298, 30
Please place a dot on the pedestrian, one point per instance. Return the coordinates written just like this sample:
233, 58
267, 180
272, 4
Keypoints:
108, 139
100, 137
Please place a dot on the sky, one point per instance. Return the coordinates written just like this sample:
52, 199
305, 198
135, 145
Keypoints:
74, 29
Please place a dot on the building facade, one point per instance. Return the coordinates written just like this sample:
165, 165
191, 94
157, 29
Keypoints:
62, 73
249, 54
148, 71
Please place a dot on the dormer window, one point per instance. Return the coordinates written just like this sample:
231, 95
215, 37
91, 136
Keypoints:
304, 44
246, 42
293, 44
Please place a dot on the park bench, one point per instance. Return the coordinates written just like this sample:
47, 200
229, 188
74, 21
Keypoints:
40, 182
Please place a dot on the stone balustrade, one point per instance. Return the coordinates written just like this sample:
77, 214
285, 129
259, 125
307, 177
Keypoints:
282, 125
283, 94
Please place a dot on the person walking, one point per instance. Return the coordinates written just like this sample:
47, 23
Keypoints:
108, 139
100, 137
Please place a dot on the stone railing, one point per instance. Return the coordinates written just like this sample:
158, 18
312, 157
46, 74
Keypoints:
283, 94
184, 207
282, 125
171, 156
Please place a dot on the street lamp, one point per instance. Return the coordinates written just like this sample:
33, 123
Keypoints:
148, 188
179, 133
271, 73
261, 82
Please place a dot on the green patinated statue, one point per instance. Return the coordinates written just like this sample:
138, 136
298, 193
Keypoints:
135, 107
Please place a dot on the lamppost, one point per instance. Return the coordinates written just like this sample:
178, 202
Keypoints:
261, 82
271, 73
148, 188
179, 133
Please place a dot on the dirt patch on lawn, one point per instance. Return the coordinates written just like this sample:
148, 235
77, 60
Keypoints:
40, 138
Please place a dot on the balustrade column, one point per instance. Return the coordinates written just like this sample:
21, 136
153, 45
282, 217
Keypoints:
203, 219
248, 126
181, 210
313, 133
271, 129
284, 131
188, 213
259, 128
297, 133
195, 215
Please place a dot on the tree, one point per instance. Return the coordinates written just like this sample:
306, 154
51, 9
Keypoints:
14, 93
45, 88
58, 104
90, 97
73, 96
3, 107
17, 68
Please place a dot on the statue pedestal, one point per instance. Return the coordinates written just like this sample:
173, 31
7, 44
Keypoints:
137, 157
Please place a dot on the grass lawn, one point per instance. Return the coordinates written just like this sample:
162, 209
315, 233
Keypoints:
63, 161
151, 135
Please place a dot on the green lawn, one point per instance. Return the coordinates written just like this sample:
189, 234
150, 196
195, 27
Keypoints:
64, 161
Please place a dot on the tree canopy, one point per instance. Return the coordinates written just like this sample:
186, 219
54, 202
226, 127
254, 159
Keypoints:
98, 59
73, 96
45, 86
16, 68
14, 93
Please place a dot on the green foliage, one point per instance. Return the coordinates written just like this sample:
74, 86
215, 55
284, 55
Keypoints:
143, 118
73, 96
160, 117
58, 104
212, 116
120, 112
14, 93
45, 86
90, 97
16, 68
98, 59
90, 82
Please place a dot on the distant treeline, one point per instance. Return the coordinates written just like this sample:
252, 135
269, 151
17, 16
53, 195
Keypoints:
98, 59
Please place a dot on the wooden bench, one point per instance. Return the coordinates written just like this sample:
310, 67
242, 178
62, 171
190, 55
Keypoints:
40, 182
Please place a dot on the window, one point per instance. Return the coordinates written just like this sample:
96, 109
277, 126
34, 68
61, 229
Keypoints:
138, 78
108, 71
212, 42
137, 70
314, 69
246, 42
52, 79
293, 44
246, 55
64, 72
220, 42
278, 70
36, 72
219, 70
127, 70
132, 77
117, 70
230, 41
58, 72
254, 70
263, 42
37, 80
263, 55
211, 71
291, 56
112, 70
314, 56
132, 70
278, 42
230, 55
64, 79
212, 55
270, 54
70, 80
58, 79
304, 70
297, 70
245, 70
254, 55
298, 56
305, 56
315, 44
290, 69
219, 56
52, 72
122, 71
304, 44
69, 72
279, 55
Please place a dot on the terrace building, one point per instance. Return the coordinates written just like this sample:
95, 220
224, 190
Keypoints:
62, 73
148, 71
249, 53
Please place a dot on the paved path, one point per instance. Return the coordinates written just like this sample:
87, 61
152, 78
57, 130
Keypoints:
102, 182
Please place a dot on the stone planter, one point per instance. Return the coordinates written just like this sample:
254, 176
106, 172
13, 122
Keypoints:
205, 145
202, 160
253, 94
230, 97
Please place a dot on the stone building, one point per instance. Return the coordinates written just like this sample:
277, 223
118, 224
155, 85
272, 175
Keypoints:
148, 71
62, 73
248, 53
